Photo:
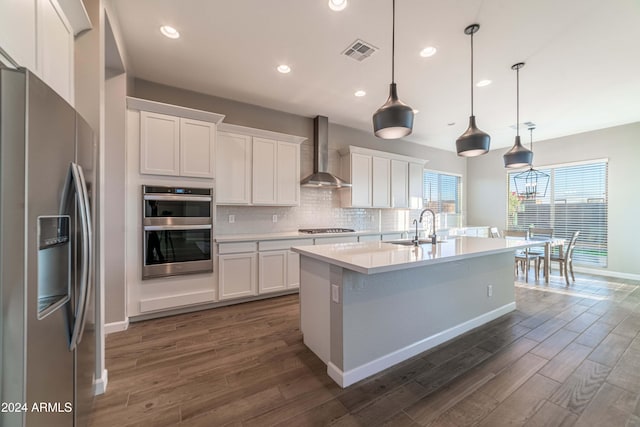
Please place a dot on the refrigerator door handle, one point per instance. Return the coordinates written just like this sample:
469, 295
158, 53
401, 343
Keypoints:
75, 182
89, 260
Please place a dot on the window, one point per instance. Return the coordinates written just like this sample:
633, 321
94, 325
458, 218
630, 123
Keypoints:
576, 200
442, 194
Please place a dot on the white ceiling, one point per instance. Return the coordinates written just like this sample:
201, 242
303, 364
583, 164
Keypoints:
582, 60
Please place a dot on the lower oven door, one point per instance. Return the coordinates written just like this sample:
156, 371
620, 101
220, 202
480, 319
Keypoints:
170, 250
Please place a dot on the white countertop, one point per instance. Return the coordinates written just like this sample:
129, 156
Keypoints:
293, 235
379, 257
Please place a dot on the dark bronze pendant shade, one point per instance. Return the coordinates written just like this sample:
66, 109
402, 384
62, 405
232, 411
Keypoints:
395, 118
473, 142
518, 156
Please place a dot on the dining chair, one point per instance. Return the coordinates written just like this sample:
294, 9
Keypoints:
523, 258
544, 233
565, 258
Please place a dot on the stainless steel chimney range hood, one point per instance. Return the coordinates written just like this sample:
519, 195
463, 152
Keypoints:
321, 178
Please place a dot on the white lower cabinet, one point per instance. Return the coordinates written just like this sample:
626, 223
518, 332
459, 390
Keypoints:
237, 275
272, 271
293, 270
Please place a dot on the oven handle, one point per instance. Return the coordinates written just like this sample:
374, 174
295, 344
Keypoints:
181, 198
177, 227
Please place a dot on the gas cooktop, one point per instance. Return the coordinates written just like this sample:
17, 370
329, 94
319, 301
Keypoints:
325, 230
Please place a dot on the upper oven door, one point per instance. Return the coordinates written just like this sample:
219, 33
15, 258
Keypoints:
170, 209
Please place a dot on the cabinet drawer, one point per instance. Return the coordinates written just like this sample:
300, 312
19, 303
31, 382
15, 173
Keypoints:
369, 238
277, 245
330, 240
236, 247
393, 236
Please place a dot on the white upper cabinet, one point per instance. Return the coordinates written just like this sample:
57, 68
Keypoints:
265, 152
18, 31
159, 144
197, 145
399, 184
176, 141
257, 167
380, 179
55, 49
233, 169
357, 169
416, 184
288, 173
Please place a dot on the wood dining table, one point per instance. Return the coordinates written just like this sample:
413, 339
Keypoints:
549, 244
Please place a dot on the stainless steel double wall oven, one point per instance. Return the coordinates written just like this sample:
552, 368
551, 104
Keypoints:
178, 230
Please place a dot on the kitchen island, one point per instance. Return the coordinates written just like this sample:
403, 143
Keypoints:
367, 306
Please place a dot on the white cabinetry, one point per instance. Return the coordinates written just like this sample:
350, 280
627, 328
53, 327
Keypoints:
416, 185
257, 167
293, 270
176, 146
380, 179
237, 270
381, 182
399, 184
39, 35
357, 168
233, 166
174, 140
272, 271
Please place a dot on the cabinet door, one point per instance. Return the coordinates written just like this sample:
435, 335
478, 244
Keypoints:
399, 181
381, 182
233, 169
197, 144
159, 144
416, 182
237, 275
360, 180
288, 174
55, 49
264, 171
18, 31
293, 270
272, 271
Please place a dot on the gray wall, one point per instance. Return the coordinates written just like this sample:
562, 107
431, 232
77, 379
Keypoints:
487, 184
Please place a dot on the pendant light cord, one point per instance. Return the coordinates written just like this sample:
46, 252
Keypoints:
518, 101
393, 43
472, 73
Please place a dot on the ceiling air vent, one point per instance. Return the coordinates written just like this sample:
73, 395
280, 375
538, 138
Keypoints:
359, 50
526, 125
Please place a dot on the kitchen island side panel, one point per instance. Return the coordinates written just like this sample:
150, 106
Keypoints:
394, 314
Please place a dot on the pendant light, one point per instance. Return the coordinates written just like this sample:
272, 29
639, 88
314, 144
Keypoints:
473, 142
395, 118
518, 156
531, 184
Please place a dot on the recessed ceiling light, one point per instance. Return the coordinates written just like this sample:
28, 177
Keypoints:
482, 83
360, 93
169, 31
337, 5
284, 68
428, 51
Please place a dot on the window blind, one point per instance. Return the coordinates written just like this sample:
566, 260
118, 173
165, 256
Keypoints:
577, 200
442, 194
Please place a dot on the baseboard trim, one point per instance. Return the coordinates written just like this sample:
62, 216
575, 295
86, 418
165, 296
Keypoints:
100, 385
608, 273
345, 379
112, 327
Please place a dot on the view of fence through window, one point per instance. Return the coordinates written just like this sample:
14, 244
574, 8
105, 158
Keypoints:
576, 200
442, 194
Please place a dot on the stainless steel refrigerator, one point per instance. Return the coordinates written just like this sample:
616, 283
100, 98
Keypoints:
47, 173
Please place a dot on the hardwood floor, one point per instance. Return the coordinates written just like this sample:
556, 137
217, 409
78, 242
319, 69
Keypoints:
565, 357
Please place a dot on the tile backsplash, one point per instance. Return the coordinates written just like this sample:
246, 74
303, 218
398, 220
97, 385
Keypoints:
318, 208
